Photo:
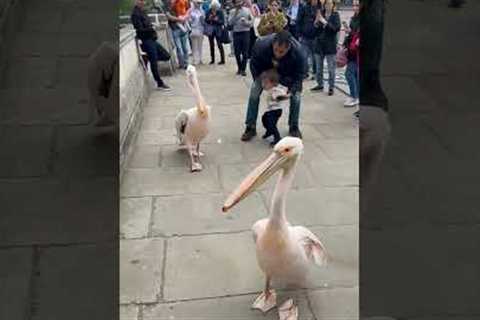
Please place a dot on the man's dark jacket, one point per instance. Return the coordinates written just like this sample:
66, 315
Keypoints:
326, 38
142, 24
291, 68
306, 17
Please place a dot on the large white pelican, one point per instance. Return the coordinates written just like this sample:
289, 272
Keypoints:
193, 124
284, 252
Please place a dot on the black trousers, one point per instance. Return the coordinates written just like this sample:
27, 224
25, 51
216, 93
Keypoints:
211, 40
253, 38
155, 53
270, 120
241, 44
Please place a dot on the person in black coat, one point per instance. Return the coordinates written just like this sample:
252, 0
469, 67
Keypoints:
307, 31
147, 34
282, 52
328, 25
216, 19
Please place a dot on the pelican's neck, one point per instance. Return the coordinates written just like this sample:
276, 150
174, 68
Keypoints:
277, 211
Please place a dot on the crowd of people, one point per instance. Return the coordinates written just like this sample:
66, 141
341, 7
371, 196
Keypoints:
284, 42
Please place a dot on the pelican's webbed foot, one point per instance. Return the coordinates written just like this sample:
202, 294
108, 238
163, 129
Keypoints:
266, 301
288, 311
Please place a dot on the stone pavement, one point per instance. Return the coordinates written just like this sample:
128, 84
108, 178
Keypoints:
180, 258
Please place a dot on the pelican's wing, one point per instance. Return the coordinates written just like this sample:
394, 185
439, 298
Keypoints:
258, 228
180, 123
314, 248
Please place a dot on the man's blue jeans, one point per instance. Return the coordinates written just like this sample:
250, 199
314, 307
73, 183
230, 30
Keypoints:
254, 100
351, 74
180, 38
308, 45
331, 64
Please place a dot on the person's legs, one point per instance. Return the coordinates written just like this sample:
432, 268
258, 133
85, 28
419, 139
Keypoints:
311, 44
245, 47
331, 63
212, 49
275, 115
350, 77
237, 43
294, 114
184, 42
177, 38
195, 49
222, 52
150, 49
319, 75
265, 125
306, 47
252, 110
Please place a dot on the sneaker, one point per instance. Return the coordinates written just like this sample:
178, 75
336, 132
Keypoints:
221, 62
212, 62
330, 92
295, 132
350, 103
164, 87
317, 88
266, 135
243, 73
249, 133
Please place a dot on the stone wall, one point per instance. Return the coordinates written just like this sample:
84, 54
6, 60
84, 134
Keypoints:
9, 18
136, 85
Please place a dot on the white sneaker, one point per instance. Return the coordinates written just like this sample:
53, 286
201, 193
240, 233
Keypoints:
351, 102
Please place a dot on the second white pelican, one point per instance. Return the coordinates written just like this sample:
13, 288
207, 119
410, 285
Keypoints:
284, 252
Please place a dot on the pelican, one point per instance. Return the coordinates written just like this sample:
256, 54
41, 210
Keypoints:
192, 125
284, 252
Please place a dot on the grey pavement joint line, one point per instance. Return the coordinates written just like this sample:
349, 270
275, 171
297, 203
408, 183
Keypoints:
252, 293
164, 267
53, 153
152, 212
31, 304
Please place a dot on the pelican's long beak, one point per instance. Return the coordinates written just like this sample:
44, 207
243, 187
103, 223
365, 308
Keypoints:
255, 179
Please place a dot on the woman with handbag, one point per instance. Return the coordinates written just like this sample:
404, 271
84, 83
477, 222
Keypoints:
328, 25
215, 26
197, 21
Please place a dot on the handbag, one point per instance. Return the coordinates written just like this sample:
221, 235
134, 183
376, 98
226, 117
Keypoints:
224, 36
341, 57
208, 30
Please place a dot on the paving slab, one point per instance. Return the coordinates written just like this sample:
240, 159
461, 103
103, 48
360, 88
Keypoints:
65, 278
141, 270
336, 303
128, 312
222, 308
198, 214
26, 151
16, 267
35, 211
168, 181
336, 174
145, 157
135, 216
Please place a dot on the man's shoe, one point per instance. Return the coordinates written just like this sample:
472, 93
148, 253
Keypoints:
317, 88
249, 133
243, 73
295, 132
330, 92
212, 62
221, 62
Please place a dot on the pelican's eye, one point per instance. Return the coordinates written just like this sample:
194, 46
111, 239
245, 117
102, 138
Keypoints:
287, 150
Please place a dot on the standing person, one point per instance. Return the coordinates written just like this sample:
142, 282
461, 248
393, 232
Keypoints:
255, 12
328, 25
282, 52
292, 16
352, 44
227, 6
241, 21
216, 19
197, 21
307, 31
177, 17
273, 21
145, 32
